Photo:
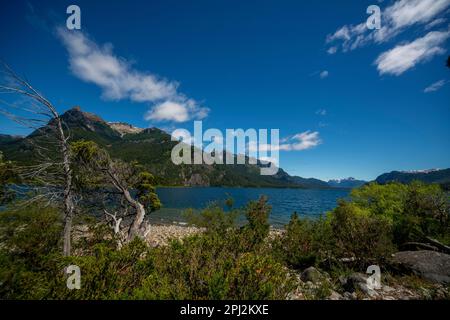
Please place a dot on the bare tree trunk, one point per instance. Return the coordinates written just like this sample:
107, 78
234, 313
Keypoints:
40, 106
139, 217
135, 227
69, 207
137, 223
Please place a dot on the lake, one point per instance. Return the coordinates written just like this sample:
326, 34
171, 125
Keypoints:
306, 202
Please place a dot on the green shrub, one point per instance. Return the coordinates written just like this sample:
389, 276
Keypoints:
416, 210
385, 200
213, 219
29, 251
426, 213
359, 234
225, 262
256, 277
204, 267
300, 246
257, 229
110, 273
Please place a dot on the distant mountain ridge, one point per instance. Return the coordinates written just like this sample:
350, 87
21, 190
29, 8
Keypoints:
346, 183
439, 176
152, 148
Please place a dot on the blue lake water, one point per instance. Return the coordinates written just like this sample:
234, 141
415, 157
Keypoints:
284, 202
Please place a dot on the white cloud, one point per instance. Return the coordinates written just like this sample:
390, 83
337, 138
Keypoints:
332, 50
404, 57
176, 111
324, 74
299, 142
321, 112
394, 20
305, 140
119, 80
435, 86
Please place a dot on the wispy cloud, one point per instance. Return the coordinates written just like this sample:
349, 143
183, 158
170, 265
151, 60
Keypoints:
435, 86
321, 112
435, 23
395, 19
298, 142
324, 74
305, 140
404, 57
119, 80
332, 50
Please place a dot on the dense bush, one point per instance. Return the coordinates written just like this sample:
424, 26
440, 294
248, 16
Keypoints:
368, 227
29, 252
348, 232
257, 229
416, 210
212, 265
359, 235
305, 243
227, 260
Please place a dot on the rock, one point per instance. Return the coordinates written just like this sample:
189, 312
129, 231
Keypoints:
358, 281
350, 296
366, 290
387, 289
335, 296
311, 274
351, 282
430, 265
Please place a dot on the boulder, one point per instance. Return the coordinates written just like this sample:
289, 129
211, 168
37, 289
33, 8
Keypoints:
430, 265
312, 274
358, 281
335, 296
350, 296
351, 282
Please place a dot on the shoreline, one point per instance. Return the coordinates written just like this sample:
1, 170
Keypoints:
161, 234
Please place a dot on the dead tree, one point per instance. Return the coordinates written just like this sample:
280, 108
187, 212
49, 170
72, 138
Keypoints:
52, 172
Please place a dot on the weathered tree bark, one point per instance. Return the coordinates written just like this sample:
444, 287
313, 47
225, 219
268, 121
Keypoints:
135, 227
69, 206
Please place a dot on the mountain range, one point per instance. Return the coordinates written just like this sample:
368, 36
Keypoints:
439, 176
151, 147
346, 183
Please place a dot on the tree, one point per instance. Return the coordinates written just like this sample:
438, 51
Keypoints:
97, 172
54, 169
8, 175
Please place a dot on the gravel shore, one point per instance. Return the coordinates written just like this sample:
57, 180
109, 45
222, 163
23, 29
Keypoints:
160, 235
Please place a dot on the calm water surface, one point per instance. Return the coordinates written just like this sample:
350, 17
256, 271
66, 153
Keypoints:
284, 202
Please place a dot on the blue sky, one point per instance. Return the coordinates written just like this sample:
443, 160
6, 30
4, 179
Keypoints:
366, 101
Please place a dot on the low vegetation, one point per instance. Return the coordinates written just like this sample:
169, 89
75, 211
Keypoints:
226, 261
